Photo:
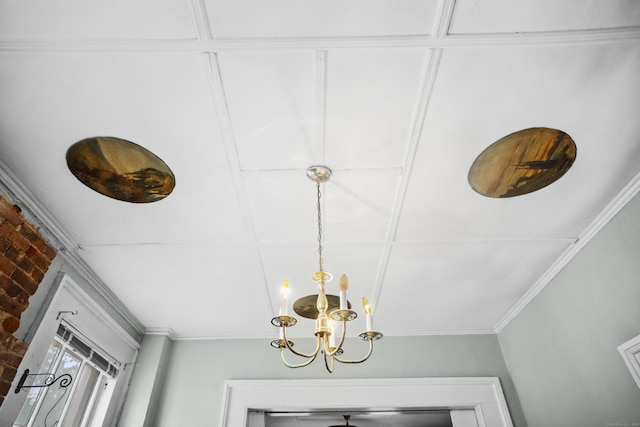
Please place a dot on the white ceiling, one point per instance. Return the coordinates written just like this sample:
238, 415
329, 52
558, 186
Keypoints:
398, 98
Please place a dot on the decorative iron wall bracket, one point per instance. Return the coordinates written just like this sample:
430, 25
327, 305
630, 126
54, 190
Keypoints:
49, 380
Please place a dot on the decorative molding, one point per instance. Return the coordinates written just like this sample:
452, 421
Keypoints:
630, 352
432, 64
444, 14
627, 193
483, 395
219, 101
320, 69
200, 19
34, 210
165, 332
402, 41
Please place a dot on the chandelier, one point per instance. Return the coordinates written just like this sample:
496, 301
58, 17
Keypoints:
328, 311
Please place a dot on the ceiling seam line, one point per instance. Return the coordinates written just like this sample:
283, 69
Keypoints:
416, 128
223, 117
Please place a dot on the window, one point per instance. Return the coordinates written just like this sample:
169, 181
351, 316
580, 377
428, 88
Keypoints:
82, 402
73, 334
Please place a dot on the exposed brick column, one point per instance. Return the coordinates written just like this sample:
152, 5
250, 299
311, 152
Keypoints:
24, 258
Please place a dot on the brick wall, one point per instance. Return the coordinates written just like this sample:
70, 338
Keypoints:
24, 258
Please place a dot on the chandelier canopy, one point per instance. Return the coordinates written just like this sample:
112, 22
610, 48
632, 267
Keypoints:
327, 310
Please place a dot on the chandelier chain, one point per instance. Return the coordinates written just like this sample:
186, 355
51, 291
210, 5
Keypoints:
318, 205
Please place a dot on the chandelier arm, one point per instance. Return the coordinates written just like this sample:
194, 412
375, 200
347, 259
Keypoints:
312, 356
357, 361
339, 346
301, 365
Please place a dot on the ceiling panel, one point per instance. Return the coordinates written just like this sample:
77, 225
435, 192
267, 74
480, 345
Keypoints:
290, 18
154, 100
190, 289
271, 101
283, 206
497, 16
458, 286
116, 19
364, 129
481, 96
357, 206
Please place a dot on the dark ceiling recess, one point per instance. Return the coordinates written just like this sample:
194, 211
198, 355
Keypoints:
522, 162
120, 169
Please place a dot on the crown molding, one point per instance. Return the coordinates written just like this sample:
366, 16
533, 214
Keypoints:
164, 332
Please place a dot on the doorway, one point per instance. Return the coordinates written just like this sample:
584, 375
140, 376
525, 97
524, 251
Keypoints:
471, 402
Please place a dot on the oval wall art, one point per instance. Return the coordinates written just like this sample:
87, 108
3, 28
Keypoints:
120, 169
522, 162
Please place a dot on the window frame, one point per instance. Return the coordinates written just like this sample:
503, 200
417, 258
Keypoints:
68, 302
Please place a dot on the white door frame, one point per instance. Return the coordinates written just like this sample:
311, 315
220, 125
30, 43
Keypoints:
483, 395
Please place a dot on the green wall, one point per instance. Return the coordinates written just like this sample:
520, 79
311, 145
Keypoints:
146, 383
196, 371
561, 350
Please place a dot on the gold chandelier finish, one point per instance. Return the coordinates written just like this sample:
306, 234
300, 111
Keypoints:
327, 308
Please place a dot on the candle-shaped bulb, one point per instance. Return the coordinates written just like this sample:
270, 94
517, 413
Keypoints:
344, 285
284, 297
344, 282
366, 307
285, 290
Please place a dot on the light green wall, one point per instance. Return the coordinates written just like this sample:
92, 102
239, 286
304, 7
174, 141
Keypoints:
561, 349
197, 370
146, 384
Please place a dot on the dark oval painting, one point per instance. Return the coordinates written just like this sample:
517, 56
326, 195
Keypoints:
522, 162
120, 169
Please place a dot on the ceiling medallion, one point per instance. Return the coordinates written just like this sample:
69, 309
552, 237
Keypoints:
120, 169
327, 310
522, 162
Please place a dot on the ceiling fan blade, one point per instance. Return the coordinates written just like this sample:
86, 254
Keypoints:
346, 424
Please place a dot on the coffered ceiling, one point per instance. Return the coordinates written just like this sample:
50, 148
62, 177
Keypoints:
397, 98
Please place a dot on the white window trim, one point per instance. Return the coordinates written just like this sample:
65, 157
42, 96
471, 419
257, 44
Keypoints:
630, 352
483, 395
69, 298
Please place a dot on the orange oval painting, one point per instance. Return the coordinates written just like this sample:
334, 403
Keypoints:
522, 162
120, 169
